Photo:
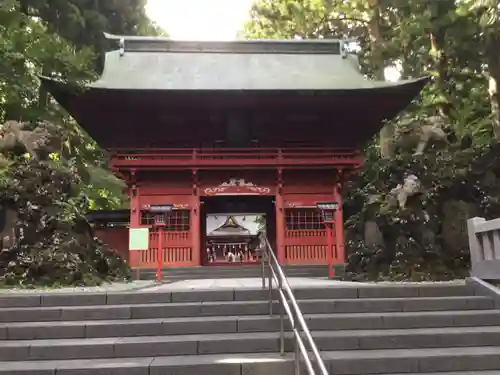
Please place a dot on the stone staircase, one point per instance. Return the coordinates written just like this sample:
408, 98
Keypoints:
440, 329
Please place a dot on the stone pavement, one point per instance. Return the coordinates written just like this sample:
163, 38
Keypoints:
244, 283
256, 283
203, 284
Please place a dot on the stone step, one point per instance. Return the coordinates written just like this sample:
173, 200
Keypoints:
234, 324
227, 275
229, 308
257, 342
231, 267
235, 271
149, 296
344, 362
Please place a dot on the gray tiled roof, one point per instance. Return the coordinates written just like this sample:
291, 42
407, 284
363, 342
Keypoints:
162, 64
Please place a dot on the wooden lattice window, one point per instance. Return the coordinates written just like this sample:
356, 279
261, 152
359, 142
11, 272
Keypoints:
175, 221
303, 219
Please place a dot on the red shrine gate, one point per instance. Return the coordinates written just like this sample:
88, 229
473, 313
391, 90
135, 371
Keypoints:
290, 178
184, 121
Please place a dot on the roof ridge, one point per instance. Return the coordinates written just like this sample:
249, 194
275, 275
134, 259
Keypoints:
166, 44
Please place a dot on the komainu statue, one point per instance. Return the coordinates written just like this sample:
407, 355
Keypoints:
410, 187
39, 141
415, 136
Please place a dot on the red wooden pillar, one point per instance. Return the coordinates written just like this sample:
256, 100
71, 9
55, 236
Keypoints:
339, 224
280, 229
135, 209
195, 230
195, 222
280, 220
135, 218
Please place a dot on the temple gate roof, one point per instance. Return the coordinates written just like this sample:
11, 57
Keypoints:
231, 227
149, 83
158, 63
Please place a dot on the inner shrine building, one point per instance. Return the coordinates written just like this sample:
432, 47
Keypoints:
261, 129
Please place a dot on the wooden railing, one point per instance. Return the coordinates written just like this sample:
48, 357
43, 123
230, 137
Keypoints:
484, 245
234, 157
176, 251
308, 246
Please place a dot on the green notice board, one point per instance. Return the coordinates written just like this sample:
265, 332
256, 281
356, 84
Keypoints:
138, 239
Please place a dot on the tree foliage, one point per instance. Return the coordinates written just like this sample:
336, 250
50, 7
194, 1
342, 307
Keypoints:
62, 40
457, 44
53, 242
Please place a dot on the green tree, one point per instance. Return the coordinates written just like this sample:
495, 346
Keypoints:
457, 44
27, 47
61, 40
444, 39
489, 37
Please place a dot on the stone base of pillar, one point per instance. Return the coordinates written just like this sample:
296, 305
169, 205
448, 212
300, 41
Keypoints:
339, 271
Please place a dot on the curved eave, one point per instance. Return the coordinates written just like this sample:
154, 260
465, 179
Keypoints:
358, 111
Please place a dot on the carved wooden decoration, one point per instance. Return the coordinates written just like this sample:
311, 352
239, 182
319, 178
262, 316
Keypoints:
176, 206
237, 187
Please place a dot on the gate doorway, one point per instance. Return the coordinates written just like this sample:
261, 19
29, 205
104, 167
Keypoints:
230, 223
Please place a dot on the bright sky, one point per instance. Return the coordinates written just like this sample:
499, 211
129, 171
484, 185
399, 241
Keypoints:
200, 19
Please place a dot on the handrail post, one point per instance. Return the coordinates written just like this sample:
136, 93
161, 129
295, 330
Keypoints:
262, 268
282, 321
270, 281
297, 355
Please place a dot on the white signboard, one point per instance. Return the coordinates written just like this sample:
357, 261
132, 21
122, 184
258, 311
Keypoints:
138, 239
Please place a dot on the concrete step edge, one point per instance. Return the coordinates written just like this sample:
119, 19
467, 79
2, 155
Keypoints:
244, 336
339, 362
242, 323
258, 301
255, 343
221, 308
387, 315
170, 294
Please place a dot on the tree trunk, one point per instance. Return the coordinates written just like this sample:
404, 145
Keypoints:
439, 11
493, 46
386, 135
43, 94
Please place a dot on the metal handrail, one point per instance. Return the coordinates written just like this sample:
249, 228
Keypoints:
288, 305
